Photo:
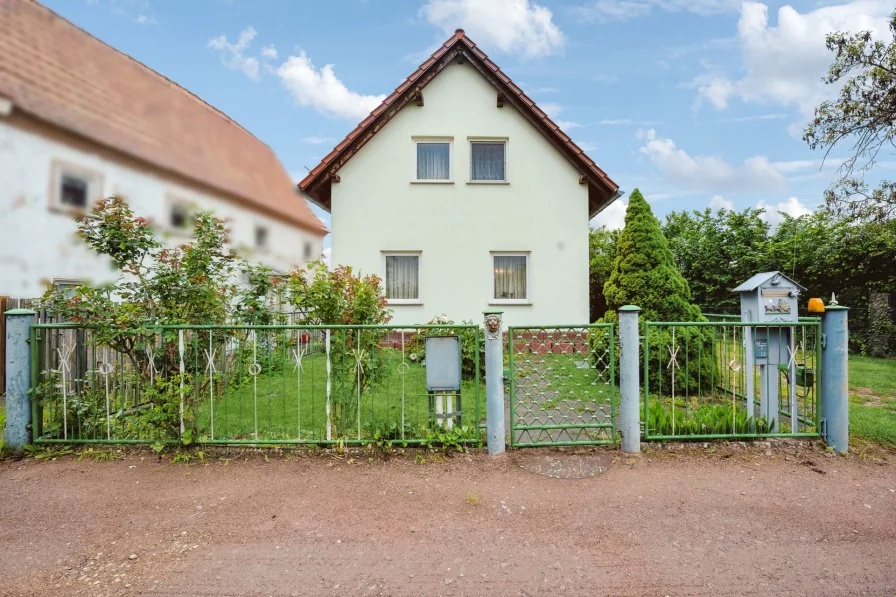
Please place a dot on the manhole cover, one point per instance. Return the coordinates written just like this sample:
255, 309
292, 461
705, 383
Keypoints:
564, 465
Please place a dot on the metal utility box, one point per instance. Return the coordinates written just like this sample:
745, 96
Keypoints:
442, 364
769, 297
443, 375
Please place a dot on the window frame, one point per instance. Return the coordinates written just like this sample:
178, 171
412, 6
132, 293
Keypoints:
493, 300
93, 178
447, 140
493, 140
419, 256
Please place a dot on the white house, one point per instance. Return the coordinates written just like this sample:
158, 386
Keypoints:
79, 120
463, 195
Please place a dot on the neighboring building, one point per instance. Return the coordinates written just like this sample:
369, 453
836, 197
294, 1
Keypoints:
79, 120
463, 195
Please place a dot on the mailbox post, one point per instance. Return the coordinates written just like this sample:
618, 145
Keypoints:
769, 297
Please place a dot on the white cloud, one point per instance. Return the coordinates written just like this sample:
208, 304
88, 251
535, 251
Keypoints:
791, 207
321, 89
537, 90
567, 125
624, 10
144, 19
775, 116
233, 54
269, 52
615, 122
709, 173
520, 27
613, 216
317, 140
784, 64
325, 256
586, 145
719, 202
606, 79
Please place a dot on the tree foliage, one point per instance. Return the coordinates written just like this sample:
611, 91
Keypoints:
644, 272
602, 244
864, 114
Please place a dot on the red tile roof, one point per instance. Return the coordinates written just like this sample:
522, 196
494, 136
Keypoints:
601, 188
59, 73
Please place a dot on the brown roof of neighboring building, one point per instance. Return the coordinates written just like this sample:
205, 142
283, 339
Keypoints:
601, 189
59, 73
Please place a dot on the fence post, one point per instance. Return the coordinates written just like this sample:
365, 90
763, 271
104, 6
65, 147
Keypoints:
835, 377
629, 403
494, 381
18, 377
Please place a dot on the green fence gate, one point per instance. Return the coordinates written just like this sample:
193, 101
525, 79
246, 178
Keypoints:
725, 379
562, 384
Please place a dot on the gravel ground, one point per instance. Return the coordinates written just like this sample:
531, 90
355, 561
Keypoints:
787, 522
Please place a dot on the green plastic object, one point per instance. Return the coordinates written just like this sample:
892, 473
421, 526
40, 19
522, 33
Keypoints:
805, 377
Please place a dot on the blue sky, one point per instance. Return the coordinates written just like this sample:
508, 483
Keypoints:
696, 102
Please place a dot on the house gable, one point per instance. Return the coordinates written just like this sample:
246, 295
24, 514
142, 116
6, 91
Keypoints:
458, 49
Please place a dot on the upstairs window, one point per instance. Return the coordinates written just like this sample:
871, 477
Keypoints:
403, 278
261, 237
510, 274
487, 161
309, 249
73, 191
433, 161
179, 217
74, 188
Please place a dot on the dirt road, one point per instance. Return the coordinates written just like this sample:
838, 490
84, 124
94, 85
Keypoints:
705, 524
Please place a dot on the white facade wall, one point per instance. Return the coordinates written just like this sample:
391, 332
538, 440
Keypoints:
542, 209
38, 244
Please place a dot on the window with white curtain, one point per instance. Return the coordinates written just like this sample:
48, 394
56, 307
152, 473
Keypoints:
510, 273
433, 160
487, 161
403, 277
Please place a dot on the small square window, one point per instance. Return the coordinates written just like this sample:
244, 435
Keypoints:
403, 278
74, 188
487, 161
73, 191
433, 160
261, 237
510, 274
309, 249
180, 216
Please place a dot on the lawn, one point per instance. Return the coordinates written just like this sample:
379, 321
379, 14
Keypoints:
872, 399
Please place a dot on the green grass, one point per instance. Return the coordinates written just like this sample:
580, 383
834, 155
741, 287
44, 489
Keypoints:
872, 399
284, 405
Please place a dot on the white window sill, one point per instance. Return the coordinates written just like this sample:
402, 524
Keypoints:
510, 302
404, 302
499, 182
432, 182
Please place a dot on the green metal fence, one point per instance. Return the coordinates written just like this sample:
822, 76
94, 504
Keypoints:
562, 385
727, 379
256, 385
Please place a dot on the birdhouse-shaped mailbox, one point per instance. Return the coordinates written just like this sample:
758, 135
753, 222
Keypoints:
769, 297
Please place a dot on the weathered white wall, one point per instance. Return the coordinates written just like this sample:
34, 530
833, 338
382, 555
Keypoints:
38, 244
543, 209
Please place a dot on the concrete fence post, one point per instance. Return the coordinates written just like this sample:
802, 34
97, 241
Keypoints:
629, 381
835, 377
18, 377
494, 381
